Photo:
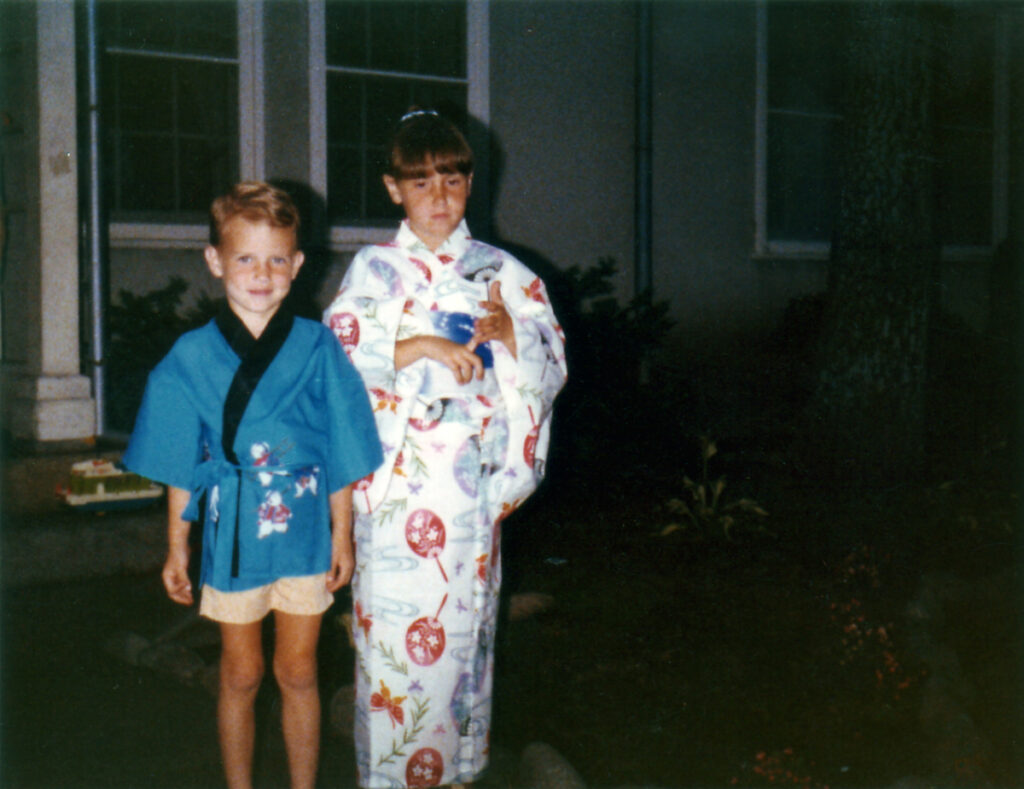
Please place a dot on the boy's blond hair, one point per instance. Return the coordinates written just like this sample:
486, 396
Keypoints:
256, 201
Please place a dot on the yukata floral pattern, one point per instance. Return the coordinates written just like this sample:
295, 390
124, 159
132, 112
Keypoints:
458, 459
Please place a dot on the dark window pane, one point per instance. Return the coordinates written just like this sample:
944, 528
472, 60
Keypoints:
345, 108
440, 39
207, 27
197, 27
141, 87
207, 97
207, 170
146, 173
386, 102
392, 36
138, 25
347, 33
804, 64
344, 183
409, 37
802, 177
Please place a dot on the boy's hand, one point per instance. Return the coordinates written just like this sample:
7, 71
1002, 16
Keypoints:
343, 563
175, 577
175, 573
497, 324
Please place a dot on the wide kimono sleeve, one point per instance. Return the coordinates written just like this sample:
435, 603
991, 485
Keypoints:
166, 444
368, 316
354, 449
529, 382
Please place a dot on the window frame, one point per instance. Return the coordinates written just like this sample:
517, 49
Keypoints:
350, 237
251, 140
766, 248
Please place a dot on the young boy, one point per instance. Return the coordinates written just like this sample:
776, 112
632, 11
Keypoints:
261, 412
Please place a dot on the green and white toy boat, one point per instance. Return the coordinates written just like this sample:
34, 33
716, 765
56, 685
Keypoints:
102, 485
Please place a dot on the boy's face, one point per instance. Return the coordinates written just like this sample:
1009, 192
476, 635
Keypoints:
257, 262
434, 204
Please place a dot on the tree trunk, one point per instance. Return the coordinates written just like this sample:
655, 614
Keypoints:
868, 410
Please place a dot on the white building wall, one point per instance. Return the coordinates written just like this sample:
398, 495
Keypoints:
562, 120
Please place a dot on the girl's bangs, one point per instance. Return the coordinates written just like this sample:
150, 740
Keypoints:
422, 163
445, 162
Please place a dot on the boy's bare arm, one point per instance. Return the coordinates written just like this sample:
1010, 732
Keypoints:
343, 561
175, 573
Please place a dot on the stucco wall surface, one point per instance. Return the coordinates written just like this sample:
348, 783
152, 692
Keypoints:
562, 119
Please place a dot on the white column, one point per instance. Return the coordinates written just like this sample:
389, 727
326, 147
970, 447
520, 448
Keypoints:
52, 400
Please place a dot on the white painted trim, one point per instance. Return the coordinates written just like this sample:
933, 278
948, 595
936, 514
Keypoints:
317, 97
251, 105
158, 53
794, 250
812, 250
57, 217
129, 235
351, 239
125, 235
404, 75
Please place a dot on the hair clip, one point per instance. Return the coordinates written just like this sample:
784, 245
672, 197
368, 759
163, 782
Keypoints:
415, 113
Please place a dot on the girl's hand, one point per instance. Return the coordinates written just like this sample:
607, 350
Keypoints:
175, 577
497, 324
460, 359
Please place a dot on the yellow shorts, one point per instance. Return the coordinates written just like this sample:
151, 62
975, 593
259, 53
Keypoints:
306, 595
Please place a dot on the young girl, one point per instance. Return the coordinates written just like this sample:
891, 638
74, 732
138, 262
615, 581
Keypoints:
260, 411
462, 357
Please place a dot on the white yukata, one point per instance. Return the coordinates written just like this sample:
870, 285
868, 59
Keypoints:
458, 459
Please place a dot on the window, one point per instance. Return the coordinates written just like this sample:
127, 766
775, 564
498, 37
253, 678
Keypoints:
170, 87
798, 126
381, 58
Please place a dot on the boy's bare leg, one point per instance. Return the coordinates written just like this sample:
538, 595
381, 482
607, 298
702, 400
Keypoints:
241, 671
296, 673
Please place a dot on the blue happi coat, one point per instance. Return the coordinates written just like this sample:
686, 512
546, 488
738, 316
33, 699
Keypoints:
302, 426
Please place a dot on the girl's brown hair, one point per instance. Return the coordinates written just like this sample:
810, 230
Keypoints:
425, 140
256, 201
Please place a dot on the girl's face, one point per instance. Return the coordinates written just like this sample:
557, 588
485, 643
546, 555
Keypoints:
434, 204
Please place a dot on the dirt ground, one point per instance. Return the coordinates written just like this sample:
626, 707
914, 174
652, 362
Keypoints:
674, 660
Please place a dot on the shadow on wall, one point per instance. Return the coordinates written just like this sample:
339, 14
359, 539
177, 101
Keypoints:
314, 241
